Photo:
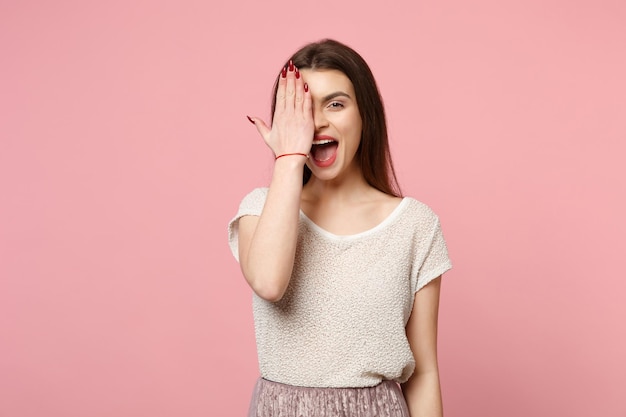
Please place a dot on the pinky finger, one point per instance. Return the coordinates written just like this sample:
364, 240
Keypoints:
260, 125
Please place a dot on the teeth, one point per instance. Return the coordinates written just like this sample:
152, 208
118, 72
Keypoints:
322, 142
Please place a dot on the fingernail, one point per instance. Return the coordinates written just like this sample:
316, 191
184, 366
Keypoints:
284, 72
291, 65
297, 73
251, 121
306, 87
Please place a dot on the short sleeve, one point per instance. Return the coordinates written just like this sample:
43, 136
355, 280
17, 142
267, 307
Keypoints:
251, 205
435, 258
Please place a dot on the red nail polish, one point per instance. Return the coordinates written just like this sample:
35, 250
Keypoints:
251, 121
306, 88
297, 73
291, 67
284, 72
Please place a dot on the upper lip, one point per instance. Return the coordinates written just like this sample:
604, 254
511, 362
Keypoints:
321, 139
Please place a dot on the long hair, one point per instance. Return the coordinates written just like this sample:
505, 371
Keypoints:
373, 152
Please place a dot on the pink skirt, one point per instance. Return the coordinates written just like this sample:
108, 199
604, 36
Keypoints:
273, 399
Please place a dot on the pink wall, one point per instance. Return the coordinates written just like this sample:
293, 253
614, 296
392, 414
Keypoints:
124, 151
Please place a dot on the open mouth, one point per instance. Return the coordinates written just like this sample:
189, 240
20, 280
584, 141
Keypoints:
323, 150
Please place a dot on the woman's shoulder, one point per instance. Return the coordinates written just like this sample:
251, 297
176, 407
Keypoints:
411, 204
255, 198
256, 193
419, 210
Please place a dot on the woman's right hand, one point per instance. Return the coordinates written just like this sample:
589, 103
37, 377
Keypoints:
292, 126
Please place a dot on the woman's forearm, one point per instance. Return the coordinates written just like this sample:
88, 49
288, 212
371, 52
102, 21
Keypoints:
423, 395
270, 255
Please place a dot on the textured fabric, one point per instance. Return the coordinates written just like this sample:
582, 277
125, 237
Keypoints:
272, 399
341, 321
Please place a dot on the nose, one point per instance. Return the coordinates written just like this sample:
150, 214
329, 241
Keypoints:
319, 119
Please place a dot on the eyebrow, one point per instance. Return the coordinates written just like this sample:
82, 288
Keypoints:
335, 95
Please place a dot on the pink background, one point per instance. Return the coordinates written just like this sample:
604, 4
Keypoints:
124, 151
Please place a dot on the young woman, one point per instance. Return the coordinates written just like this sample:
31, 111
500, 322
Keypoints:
345, 272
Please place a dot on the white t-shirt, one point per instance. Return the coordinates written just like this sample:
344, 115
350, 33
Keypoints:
341, 321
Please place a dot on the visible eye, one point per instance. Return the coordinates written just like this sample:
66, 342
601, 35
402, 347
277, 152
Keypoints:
335, 105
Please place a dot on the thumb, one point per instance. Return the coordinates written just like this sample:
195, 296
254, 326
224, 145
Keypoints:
263, 129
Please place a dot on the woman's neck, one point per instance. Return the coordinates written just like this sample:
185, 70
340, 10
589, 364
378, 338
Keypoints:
348, 188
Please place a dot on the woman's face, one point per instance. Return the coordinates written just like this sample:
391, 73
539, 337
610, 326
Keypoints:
337, 124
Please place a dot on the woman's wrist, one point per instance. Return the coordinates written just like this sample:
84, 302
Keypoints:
291, 159
292, 154
290, 163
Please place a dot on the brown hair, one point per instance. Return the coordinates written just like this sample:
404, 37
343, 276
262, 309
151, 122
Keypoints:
373, 152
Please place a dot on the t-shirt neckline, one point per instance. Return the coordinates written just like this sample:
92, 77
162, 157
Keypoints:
389, 219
